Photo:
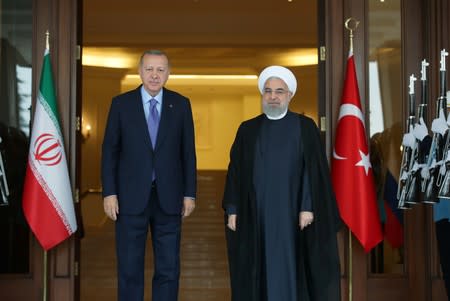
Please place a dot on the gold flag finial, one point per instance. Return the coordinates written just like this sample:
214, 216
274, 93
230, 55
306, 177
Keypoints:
47, 42
351, 24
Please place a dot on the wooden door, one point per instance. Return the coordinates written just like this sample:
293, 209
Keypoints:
24, 273
394, 36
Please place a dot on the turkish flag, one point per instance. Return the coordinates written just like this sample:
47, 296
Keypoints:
352, 176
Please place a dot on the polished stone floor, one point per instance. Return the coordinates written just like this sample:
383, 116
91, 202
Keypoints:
204, 270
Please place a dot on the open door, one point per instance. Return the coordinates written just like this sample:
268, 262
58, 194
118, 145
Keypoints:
392, 39
25, 274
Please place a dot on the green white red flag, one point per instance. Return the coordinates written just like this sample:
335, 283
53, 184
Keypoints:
47, 197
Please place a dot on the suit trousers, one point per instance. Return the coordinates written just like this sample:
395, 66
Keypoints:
131, 237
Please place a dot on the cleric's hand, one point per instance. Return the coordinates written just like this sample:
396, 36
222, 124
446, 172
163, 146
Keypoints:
305, 218
232, 222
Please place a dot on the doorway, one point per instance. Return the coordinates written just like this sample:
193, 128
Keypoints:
216, 51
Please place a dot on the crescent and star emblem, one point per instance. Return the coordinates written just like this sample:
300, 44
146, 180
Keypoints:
352, 110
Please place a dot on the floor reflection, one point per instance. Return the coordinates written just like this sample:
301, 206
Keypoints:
204, 270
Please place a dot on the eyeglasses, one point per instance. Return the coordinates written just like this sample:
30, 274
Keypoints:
278, 92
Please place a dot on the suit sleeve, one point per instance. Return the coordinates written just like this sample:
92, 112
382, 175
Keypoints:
188, 153
111, 150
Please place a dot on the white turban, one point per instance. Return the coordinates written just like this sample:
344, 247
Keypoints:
280, 72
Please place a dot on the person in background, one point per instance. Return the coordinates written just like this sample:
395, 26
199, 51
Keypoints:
149, 178
280, 211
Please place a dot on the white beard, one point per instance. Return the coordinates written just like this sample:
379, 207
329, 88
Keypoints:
274, 112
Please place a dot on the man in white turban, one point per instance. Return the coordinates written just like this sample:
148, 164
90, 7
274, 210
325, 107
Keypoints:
288, 86
280, 212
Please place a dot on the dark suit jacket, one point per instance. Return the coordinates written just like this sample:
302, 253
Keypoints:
128, 157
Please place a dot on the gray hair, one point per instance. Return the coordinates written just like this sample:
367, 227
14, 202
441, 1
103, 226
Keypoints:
154, 52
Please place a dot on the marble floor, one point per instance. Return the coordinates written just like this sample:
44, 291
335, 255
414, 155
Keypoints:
204, 270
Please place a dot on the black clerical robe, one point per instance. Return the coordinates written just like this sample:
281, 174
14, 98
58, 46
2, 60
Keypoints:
254, 250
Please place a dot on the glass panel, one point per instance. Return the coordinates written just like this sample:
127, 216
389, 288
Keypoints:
15, 104
386, 127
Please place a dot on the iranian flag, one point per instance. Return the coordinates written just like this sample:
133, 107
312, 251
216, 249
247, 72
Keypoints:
47, 197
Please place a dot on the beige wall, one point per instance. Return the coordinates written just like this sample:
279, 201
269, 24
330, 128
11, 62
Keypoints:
218, 109
216, 119
99, 86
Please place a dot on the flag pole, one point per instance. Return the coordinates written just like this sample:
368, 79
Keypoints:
47, 40
44, 289
47, 191
350, 24
350, 266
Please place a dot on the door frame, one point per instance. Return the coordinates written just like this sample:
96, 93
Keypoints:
425, 29
62, 19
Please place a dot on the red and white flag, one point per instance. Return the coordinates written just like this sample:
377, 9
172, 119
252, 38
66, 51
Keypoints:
352, 175
47, 197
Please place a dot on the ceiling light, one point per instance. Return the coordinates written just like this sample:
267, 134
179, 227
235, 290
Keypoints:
210, 76
201, 80
202, 77
109, 61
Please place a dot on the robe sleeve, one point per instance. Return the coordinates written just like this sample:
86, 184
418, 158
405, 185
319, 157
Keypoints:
306, 204
232, 190
321, 251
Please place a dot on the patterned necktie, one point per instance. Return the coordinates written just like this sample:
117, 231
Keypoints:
153, 121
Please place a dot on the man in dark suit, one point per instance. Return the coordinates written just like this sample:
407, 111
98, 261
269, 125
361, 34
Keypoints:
149, 178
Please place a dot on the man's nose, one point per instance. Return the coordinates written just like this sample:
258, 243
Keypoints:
273, 94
